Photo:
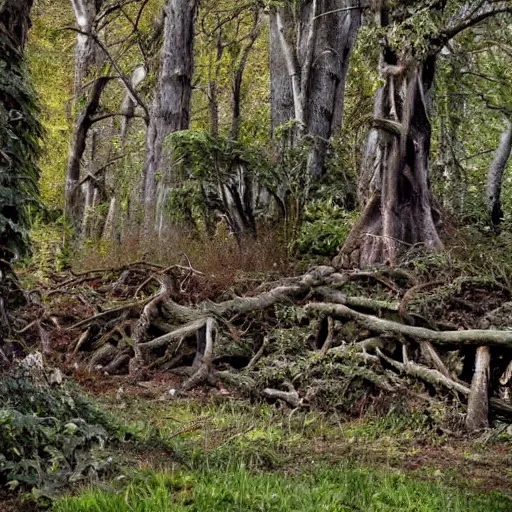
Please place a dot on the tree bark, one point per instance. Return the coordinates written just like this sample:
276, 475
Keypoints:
86, 51
495, 176
15, 18
478, 402
170, 111
313, 48
400, 211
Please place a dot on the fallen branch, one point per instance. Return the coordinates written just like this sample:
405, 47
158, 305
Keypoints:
108, 312
181, 332
338, 297
291, 397
382, 326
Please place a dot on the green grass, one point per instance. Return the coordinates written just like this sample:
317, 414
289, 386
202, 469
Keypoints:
336, 489
252, 457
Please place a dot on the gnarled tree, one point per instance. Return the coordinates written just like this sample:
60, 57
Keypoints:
400, 211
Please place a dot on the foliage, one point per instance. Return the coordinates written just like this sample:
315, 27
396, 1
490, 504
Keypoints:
212, 159
20, 133
49, 436
324, 229
208, 162
50, 54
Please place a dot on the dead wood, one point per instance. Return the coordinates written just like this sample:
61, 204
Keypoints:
178, 334
291, 397
203, 363
438, 379
478, 401
336, 296
251, 343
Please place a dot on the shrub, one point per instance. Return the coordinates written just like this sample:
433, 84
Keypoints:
49, 436
325, 228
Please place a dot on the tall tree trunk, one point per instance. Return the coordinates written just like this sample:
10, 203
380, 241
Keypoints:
399, 212
495, 176
238, 76
281, 96
313, 46
170, 111
74, 195
451, 115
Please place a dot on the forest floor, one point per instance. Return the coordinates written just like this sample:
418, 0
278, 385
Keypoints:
231, 455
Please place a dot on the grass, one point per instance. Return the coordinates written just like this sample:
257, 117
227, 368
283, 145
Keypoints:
253, 457
335, 489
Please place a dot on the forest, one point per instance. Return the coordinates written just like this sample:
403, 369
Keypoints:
255, 255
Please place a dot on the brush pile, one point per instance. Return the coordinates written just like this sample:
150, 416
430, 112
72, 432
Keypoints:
324, 339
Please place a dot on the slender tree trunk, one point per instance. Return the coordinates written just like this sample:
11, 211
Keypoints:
238, 78
281, 96
495, 176
86, 50
399, 212
313, 48
170, 111
478, 402
451, 116
88, 56
74, 195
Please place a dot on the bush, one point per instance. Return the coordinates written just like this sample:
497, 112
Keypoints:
325, 228
49, 436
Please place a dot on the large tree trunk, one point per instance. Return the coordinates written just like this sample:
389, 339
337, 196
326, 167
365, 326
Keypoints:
399, 212
495, 176
313, 49
170, 111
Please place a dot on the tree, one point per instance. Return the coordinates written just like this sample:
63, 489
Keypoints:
20, 133
171, 109
400, 211
495, 176
98, 66
88, 57
310, 46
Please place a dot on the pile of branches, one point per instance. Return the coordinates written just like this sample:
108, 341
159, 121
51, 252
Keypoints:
291, 340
